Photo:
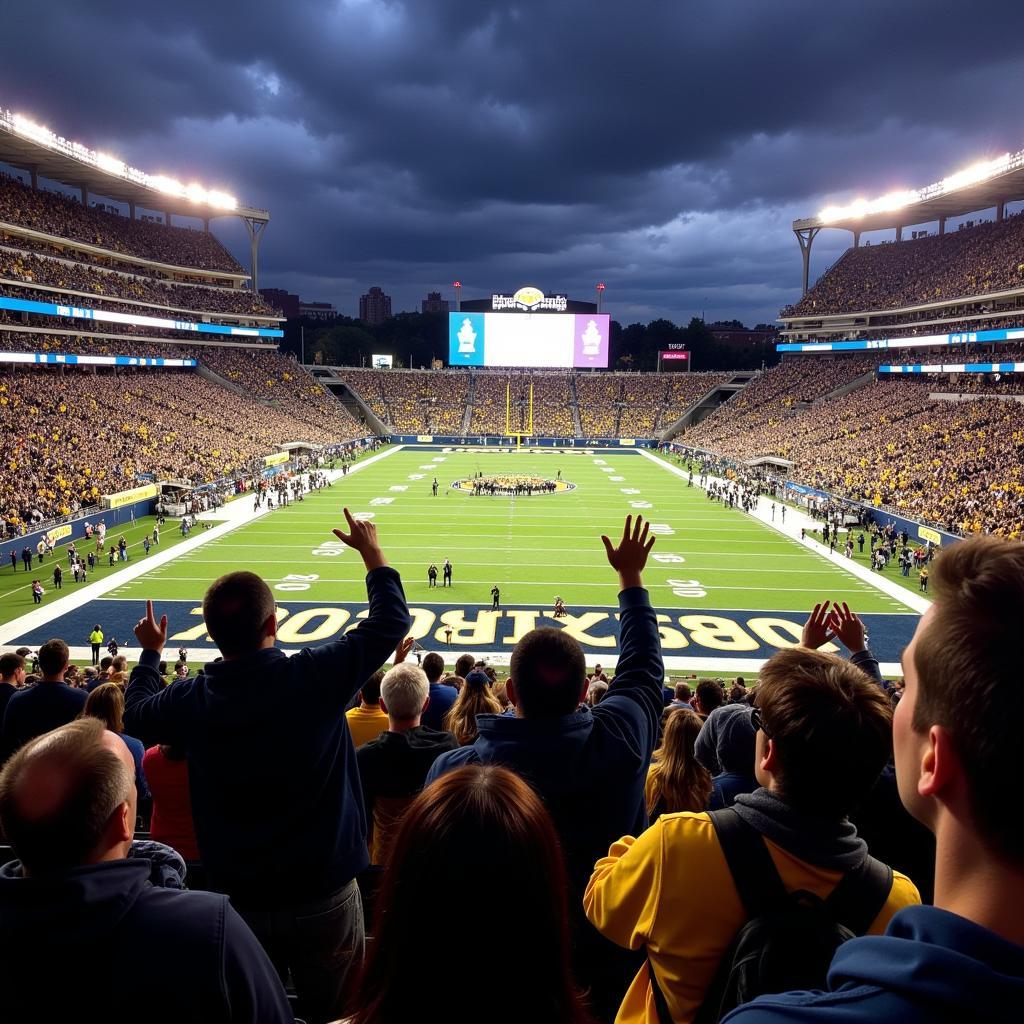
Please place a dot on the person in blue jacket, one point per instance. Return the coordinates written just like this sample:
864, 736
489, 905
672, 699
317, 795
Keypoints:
94, 926
276, 798
956, 735
588, 764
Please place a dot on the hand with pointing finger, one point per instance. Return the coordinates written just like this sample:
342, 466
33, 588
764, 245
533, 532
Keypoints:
152, 635
363, 537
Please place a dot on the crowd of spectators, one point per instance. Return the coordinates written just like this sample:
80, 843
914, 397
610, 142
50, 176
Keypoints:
70, 435
64, 217
971, 261
956, 464
840, 838
101, 285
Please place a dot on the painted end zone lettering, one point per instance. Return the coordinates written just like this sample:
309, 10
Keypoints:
689, 631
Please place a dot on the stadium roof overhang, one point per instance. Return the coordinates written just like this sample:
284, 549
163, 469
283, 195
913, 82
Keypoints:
1002, 188
47, 162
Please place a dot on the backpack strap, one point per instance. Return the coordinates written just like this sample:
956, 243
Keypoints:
753, 871
860, 895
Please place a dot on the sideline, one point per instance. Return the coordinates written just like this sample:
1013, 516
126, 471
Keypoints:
233, 515
797, 519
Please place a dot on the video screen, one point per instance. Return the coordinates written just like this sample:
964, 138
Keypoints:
528, 339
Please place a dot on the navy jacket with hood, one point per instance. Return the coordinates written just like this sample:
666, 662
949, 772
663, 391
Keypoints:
589, 767
276, 799
930, 966
102, 943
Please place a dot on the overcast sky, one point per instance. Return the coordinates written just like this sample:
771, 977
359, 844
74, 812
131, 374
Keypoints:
663, 147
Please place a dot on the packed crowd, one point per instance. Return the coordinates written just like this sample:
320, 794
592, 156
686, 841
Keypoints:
956, 464
611, 850
972, 261
18, 265
64, 217
68, 436
565, 404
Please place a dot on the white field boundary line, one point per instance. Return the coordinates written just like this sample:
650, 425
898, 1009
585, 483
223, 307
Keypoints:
237, 513
748, 667
916, 602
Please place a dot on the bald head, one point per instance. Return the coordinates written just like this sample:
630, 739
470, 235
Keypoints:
68, 798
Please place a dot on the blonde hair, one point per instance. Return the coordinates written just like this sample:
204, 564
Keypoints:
475, 698
676, 779
106, 703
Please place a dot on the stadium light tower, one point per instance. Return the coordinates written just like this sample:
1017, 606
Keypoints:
458, 296
600, 292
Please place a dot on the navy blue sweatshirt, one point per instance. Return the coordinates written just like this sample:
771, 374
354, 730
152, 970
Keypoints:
272, 772
38, 709
929, 966
101, 943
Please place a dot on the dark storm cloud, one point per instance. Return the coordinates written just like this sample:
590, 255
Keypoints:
664, 148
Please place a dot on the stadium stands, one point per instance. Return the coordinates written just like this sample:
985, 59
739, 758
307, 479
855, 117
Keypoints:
62, 217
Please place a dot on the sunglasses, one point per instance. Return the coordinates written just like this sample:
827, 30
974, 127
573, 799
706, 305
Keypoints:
758, 723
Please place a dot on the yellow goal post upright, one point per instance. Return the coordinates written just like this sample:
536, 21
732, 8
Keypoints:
509, 432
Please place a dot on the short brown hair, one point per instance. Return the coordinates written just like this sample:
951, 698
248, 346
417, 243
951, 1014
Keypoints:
433, 665
831, 727
95, 782
235, 609
970, 679
53, 657
548, 669
9, 664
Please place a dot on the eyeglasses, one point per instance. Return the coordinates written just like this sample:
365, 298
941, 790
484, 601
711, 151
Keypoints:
757, 722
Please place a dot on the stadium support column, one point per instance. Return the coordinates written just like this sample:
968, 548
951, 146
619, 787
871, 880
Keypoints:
255, 228
805, 238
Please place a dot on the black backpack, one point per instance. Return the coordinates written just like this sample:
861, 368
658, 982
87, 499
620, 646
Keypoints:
788, 940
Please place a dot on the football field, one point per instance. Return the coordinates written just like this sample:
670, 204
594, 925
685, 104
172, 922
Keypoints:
729, 589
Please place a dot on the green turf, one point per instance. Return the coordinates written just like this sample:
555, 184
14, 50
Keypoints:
16, 587
531, 547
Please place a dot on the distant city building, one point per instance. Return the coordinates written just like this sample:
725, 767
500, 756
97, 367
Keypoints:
374, 306
318, 310
282, 300
433, 303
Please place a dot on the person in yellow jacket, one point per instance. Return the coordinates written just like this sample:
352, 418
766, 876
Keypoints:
96, 639
824, 736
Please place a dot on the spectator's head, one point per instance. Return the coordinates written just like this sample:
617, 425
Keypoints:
464, 665
596, 692
684, 693
956, 725
404, 693
709, 696
67, 798
825, 732
678, 780
470, 827
106, 703
53, 659
738, 693
475, 698
119, 664
105, 664
547, 674
370, 692
239, 613
181, 670
433, 665
12, 669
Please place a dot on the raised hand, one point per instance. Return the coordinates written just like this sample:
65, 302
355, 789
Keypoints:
362, 537
403, 649
152, 635
630, 557
848, 627
816, 628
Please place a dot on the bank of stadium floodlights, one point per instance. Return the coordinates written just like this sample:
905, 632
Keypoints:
985, 184
207, 201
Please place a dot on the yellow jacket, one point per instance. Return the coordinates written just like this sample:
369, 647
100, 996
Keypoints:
671, 891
